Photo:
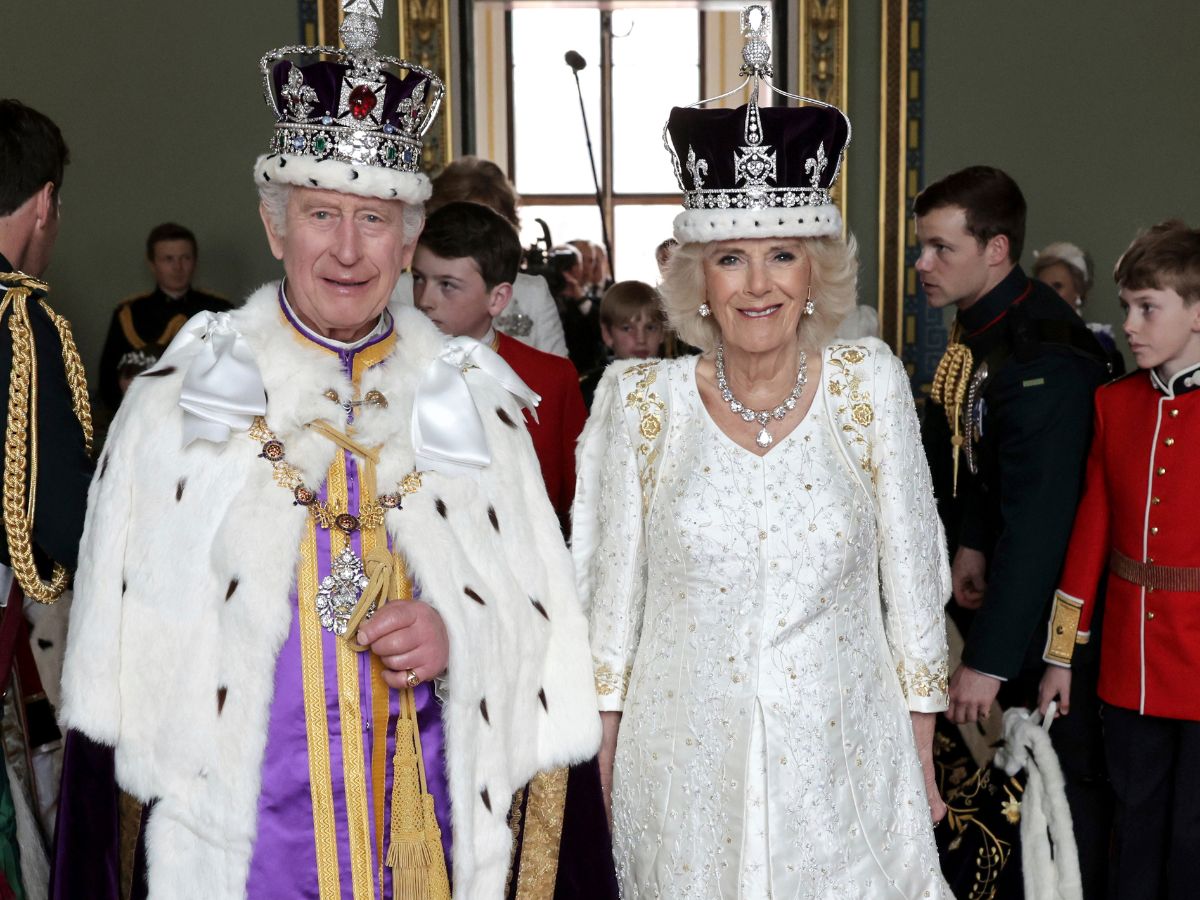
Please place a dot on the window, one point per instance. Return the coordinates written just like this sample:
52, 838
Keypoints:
639, 63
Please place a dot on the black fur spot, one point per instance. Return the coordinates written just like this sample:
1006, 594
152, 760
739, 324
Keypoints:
487, 800
353, 174
282, 162
505, 417
542, 697
233, 586
394, 194
123, 586
483, 710
474, 596
313, 182
103, 465
266, 177
538, 606
440, 506
157, 373
221, 692
492, 518
179, 489
45, 644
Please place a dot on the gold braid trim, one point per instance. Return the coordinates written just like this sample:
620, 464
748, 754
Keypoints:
21, 437
950, 383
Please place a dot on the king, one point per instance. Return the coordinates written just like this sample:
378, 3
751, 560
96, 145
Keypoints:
325, 635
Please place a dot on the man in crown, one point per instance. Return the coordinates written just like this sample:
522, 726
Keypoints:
324, 614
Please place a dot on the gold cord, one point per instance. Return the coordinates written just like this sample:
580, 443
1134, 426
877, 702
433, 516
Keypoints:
21, 433
950, 383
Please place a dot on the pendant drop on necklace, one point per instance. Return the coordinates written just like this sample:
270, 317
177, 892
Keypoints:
764, 439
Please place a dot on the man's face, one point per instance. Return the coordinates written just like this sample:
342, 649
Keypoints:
953, 266
173, 265
453, 294
343, 255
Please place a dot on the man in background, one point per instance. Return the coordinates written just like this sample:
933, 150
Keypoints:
143, 325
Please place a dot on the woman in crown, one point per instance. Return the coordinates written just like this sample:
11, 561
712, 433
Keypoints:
757, 544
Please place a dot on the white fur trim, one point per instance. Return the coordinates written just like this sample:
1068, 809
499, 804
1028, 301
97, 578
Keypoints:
335, 175
699, 226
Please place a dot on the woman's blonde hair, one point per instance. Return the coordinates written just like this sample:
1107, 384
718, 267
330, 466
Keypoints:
834, 264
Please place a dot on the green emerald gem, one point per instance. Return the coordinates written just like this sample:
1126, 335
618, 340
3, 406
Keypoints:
320, 144
389, 153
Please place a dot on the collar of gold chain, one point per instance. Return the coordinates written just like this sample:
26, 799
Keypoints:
950, 383
21, 432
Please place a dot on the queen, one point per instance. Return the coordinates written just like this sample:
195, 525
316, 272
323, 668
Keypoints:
757, 545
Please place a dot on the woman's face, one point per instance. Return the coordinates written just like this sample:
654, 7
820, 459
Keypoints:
1058, 276
756, 289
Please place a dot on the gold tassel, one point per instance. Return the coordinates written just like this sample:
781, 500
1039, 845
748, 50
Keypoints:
950, 383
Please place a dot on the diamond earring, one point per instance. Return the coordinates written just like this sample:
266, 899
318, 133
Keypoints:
704, 311
809, 307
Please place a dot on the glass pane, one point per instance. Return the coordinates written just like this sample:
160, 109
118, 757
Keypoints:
640, 229
567, 223
550, 152
656, 65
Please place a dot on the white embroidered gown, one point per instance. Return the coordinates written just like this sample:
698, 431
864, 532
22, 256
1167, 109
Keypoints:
765, 747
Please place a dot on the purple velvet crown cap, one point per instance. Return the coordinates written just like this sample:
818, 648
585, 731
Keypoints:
757, 171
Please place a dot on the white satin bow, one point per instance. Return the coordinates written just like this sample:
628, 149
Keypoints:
447, 429
222, 388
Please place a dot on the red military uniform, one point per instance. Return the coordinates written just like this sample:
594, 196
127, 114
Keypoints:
1137, 522
561, 415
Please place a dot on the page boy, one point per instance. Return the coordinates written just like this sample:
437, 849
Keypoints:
1137, 521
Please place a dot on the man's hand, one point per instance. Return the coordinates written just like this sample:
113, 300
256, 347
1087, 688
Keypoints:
922, 726
407, 635
967, 575
971, 695
1056, 685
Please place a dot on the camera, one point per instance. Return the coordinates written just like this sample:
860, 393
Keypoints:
542, 259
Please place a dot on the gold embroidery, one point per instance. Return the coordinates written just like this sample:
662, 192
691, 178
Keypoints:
353, 763
316, 724
924, 682
514, 825
651, 409
1064, 628
609, 682
543, 832
846, 384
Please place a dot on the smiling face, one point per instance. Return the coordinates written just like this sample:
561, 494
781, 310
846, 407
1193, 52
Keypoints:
756, 289
1163, 331
954, 267
453, 294
343, 255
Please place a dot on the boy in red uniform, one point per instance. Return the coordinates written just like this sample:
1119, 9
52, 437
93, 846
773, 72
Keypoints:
463, 270
1137, 521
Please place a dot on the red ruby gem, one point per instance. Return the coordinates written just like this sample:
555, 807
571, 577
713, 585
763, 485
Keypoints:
362, 101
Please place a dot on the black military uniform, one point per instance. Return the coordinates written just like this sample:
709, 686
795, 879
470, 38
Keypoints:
1026, 425
147, 323
65, 469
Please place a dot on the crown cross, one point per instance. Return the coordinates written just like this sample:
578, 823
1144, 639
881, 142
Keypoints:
299, 96
815, 167
697, 167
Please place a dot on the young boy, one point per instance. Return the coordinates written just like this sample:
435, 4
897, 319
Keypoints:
463, 270
1137, 520
632, 326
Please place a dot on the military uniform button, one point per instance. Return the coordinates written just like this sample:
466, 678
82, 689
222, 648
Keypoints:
1156, 500
1150, 615
1162, 470
1154, 529
1174, 414
1170, 442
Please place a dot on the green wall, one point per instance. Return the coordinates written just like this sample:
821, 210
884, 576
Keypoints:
161, 104
1093, 106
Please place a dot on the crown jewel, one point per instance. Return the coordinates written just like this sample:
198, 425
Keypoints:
351, 105
756, 157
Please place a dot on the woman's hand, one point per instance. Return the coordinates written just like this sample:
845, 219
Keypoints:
407, 635
611, 722
922, 726
1056, 685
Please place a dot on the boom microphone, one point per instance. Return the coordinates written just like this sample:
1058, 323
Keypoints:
575, 61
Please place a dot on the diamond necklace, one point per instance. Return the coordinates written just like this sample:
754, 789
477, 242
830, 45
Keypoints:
764, 438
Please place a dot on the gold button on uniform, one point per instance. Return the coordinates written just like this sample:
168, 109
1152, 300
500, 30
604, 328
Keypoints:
1174, 414
1162, 471
1154, 529
1150, 615
1156, 500
1170, 442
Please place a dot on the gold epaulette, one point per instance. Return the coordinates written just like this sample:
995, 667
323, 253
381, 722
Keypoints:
21, 432
1062, 633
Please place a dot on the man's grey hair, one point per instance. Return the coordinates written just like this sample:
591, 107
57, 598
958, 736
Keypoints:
275, 196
